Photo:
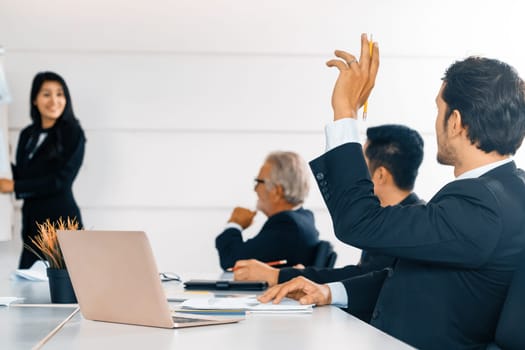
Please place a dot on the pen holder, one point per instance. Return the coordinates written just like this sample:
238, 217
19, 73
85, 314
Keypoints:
60, 287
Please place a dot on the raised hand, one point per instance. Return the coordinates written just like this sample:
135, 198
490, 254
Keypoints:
355, 81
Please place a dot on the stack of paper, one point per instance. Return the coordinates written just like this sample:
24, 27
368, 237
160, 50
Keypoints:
246, 304
200, 294
183, 295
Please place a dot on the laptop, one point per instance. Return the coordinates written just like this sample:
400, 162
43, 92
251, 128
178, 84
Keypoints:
115, 279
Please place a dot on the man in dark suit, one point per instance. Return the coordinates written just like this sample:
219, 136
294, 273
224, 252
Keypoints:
457, 254
289, 233
393, 154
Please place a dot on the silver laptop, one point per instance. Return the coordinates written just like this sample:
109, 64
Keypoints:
115, 279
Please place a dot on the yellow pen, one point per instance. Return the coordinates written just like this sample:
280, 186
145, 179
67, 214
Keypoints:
371, 48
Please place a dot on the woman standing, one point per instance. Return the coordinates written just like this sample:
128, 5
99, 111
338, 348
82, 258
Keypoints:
49, 155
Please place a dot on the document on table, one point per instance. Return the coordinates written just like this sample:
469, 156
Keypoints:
182, 296
248, 304
198, 294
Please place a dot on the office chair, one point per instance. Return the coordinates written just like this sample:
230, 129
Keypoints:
509, 331
325, 255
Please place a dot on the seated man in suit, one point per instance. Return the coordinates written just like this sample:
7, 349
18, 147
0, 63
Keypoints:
289, 233
457, 254
393, 154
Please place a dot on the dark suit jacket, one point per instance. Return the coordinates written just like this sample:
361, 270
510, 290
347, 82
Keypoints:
456, 255
45, 181
289, 235
369, 262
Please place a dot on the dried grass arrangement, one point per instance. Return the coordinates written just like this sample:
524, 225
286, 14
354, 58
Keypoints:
47, 241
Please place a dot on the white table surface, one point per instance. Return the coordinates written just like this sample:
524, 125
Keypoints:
326, 327
24, 327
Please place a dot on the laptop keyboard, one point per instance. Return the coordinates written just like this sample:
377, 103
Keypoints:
177, 319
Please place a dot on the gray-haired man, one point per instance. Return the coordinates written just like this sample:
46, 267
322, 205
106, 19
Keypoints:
289, 233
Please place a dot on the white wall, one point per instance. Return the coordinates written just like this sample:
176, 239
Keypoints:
181, 100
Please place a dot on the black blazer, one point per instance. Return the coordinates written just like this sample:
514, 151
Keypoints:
369, 262
456, 255
289, 235
45, 181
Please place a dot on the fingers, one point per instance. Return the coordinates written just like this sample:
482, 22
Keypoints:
269, 294
337, 63
254, 270
347, 57
241, 263
242, 216
364, 60
299, 288
273, 294
372, 70
374, 64
240, 274
356, 79
241, 269
368, 55
278, 292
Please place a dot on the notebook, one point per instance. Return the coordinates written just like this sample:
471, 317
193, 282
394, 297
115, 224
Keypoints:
225, 285
115, 279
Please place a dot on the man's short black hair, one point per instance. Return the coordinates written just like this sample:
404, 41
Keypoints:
397, 148
490, 96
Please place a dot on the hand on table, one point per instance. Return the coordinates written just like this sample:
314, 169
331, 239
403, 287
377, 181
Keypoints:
301, 289
255, 270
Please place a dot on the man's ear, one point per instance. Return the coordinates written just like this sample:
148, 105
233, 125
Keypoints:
384, 176
381, 173
279, 192
454, 124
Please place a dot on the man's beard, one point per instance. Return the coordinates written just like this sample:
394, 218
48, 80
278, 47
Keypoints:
445, 155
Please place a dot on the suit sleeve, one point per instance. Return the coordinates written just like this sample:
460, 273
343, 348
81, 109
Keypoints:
327, 275
267, 245
459, 226
56, 181
363, 292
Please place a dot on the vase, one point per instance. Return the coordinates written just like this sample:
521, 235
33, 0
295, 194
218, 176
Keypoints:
60, 287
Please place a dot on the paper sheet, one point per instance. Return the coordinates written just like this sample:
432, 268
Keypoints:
248, 304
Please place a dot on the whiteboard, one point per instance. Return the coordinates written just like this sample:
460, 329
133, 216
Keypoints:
6, 201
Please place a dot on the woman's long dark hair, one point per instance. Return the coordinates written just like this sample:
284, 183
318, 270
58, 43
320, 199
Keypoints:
66, 119
38, 81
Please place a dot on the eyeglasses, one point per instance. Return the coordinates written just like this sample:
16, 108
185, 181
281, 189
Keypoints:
169, 276
259, 181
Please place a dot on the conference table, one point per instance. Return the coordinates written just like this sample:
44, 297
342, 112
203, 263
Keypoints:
36, 323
